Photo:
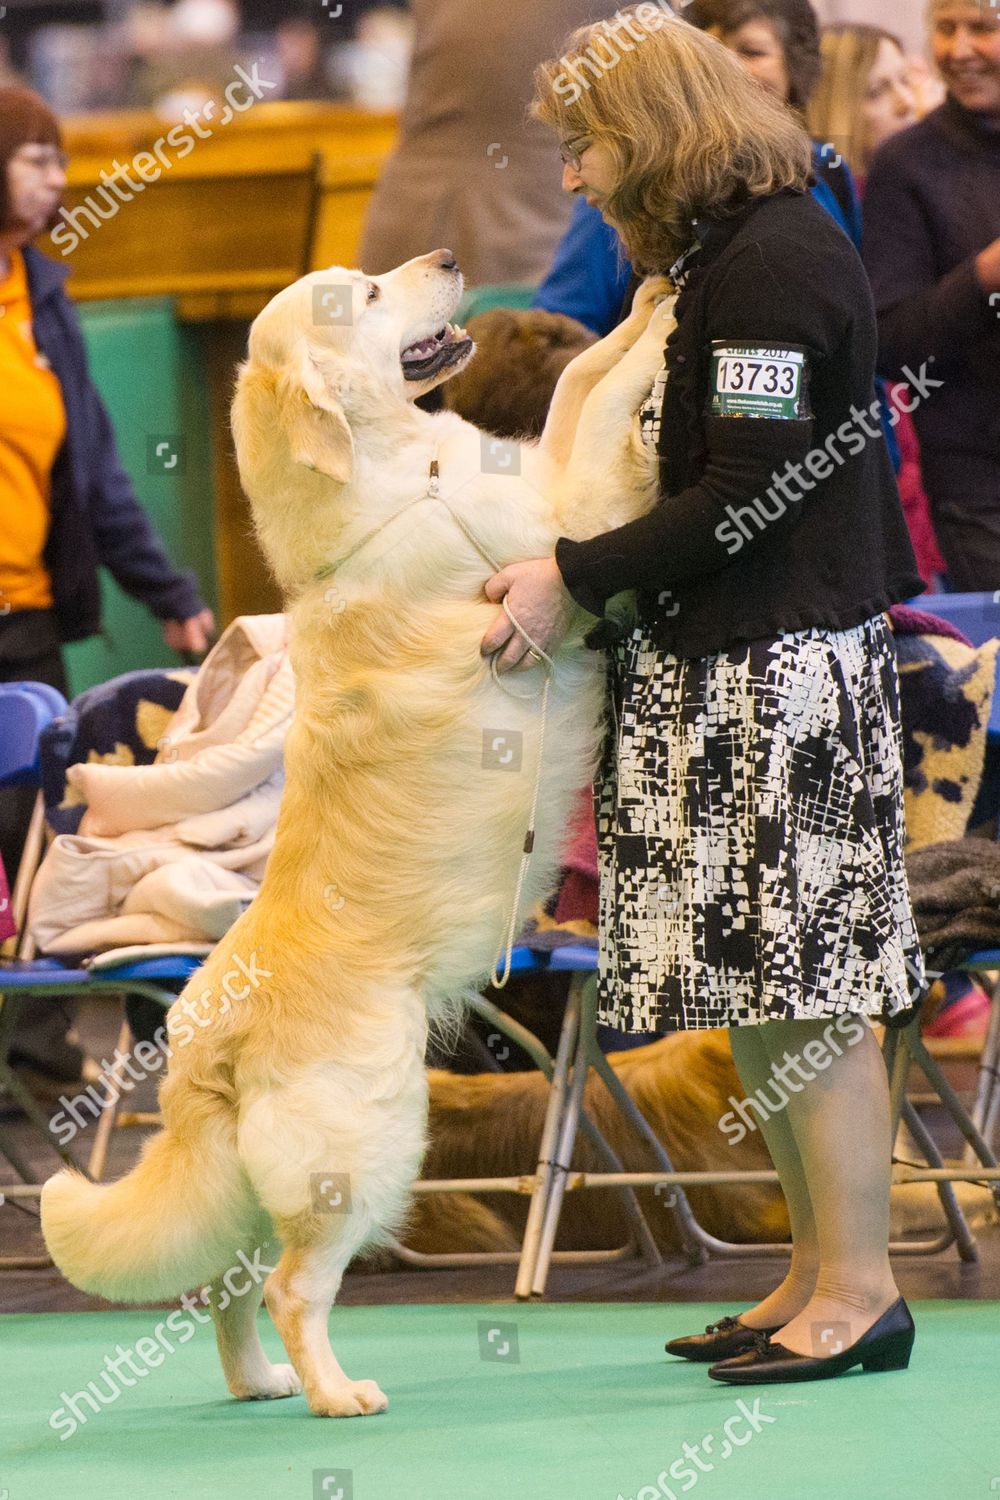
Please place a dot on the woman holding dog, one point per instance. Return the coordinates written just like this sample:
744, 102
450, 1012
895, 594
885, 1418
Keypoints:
749, 802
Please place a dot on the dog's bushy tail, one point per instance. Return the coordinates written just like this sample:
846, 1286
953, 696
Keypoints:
176, 1221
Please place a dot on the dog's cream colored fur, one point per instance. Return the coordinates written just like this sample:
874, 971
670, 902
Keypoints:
393, 874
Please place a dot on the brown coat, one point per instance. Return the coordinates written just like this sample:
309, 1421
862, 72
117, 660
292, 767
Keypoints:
471, 172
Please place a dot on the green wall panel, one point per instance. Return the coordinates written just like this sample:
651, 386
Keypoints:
148, 369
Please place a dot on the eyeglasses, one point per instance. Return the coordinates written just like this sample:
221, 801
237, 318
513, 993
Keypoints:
571, 158
42, 157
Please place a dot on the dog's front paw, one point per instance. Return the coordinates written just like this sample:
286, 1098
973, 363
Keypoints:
356, 1398
652, 292
661, 320
280, 1380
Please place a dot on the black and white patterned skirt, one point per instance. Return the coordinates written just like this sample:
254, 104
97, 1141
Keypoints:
750, 832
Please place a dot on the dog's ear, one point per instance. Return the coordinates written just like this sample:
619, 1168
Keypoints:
317, 430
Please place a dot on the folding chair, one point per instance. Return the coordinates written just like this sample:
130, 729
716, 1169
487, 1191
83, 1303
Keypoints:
578, 1053
977, 615
26, 708
40, 736
538, 1185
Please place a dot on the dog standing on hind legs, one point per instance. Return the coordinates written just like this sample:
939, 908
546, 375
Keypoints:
398, 866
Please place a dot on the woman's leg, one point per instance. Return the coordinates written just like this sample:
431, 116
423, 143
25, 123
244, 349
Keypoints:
839, 1114
753, 1064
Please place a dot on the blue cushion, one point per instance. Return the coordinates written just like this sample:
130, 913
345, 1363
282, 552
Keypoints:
168, 966
975, 615
579, 957
986, 958
524, 961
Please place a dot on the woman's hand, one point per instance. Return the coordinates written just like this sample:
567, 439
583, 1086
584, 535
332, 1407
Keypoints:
192, 635
541, 604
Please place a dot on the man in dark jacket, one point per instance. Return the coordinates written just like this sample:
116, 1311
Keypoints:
932, 249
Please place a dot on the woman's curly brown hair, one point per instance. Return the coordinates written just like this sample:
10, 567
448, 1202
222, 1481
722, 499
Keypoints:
690, 132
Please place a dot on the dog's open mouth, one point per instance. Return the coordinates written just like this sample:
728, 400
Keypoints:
429, 356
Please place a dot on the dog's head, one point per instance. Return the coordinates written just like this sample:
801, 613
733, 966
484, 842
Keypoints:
338, 346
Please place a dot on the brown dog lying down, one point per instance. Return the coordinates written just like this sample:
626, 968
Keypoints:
507, 388
490, 1124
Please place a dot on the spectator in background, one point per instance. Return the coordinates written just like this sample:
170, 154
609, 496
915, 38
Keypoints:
932, 247
9, 76
778, 42
301, 60
184, 55
865, 96
66, 504
471, 170
373, 68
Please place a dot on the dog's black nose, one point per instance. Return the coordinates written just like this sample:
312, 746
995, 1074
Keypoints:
448, 261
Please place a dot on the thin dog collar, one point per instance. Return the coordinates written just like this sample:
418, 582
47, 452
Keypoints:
430, 493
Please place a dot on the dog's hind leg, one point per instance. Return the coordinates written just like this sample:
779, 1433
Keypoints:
299, 1295
234, 1304
332, 1154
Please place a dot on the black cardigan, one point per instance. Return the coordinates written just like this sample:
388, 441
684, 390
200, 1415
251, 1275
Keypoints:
831, 549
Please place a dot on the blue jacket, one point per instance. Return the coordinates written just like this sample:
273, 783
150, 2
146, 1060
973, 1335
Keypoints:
96, 518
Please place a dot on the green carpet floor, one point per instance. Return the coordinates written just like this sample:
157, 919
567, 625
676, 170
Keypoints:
565, 1402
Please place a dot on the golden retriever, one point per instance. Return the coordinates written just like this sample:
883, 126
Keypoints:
299, 1112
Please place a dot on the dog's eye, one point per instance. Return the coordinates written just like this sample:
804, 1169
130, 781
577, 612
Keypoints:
373, 292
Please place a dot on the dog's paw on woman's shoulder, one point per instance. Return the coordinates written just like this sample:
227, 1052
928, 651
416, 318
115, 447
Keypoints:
506, 390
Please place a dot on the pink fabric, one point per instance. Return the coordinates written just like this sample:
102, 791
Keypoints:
909, 621
7, 928
577, 900
916, 506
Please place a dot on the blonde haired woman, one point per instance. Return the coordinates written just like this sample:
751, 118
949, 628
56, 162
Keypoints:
865, 96
749, 802
865, 93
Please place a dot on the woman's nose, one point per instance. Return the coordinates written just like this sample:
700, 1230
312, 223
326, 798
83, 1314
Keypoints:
906, 103
571, 178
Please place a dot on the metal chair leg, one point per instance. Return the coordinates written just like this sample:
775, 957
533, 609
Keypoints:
546, 1151
109, 1112
986, 1109
558, 1168
958, 1230
914, 1044
687, 1226
10, 1081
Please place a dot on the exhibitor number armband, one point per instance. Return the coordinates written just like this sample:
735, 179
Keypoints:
755, 380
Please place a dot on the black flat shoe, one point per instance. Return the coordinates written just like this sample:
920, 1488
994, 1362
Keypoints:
886, 1346
719, 1341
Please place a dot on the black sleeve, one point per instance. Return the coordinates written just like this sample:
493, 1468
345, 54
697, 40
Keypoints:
771, 294
919, 313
